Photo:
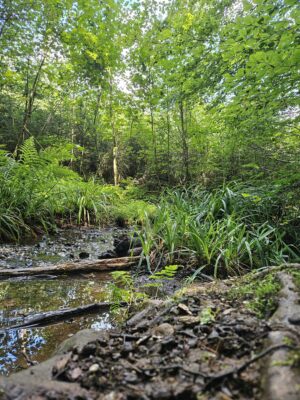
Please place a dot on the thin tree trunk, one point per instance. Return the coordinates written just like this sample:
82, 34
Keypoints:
30, 97
185, 149
114, 136
115, 165
153, 137
96, 113
52, 317
168, 145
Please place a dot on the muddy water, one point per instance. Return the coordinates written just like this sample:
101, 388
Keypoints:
21, 297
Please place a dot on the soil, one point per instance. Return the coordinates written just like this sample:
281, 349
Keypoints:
199, 345
169, 350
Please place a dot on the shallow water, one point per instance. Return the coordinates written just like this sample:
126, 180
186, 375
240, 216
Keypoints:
65, 245
20, 297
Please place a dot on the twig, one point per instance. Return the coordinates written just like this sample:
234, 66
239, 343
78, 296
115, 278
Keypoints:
28, 359
237, 370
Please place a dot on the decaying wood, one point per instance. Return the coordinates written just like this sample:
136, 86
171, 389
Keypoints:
105, 265
46, 318
281, 381
275, 268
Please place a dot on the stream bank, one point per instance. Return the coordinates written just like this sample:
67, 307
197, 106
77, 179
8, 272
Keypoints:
23, 296
202, 344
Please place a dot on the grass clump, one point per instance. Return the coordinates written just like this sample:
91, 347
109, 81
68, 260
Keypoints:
223, 232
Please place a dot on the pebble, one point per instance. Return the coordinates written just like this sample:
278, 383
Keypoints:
294, 319
164, 329
94, 368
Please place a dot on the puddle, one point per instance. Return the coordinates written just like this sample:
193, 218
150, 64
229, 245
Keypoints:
20, 297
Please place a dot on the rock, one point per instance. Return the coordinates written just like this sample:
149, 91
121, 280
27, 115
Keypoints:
188, 320
61, 364
184, 309
75, 374
80, 339
164, 329
123, 243
94, 368
294, 319
83, 255
137, 251
107, 254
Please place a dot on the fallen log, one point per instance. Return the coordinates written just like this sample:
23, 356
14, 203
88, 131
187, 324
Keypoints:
281, 378
50, 317
106, 265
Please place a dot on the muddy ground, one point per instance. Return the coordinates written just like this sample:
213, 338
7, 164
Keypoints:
200, 345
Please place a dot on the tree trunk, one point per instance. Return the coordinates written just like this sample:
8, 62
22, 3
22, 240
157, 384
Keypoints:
153, 139
185, 149
30, 97
168, 145
114, 137
115, 165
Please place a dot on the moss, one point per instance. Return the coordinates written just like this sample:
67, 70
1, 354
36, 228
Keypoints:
296, 277
260, 296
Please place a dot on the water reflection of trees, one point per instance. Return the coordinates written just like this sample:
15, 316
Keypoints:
22, 298
40, 343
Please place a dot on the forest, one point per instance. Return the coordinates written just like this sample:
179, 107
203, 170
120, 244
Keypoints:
149, 192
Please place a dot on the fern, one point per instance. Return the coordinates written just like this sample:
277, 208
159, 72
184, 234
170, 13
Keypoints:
29, 155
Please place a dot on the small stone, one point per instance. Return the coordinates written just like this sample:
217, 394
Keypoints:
83, 255
294, 319
164, 329
182, 307
228, 311
188, 320
94, 368
75, 374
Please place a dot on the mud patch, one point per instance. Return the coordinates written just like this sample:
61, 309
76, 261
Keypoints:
173, 351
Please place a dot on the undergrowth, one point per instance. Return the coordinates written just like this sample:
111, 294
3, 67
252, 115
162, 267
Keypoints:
37, 191
222, 232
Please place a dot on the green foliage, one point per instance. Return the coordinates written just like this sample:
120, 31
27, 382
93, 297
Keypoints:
207, 315
37, 190
163, 94
122, 289
226, 230
168, 272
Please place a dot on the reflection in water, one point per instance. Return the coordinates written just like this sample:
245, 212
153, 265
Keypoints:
23, 296
38, 344
19, 299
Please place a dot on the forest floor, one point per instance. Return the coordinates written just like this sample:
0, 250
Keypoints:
206, 342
